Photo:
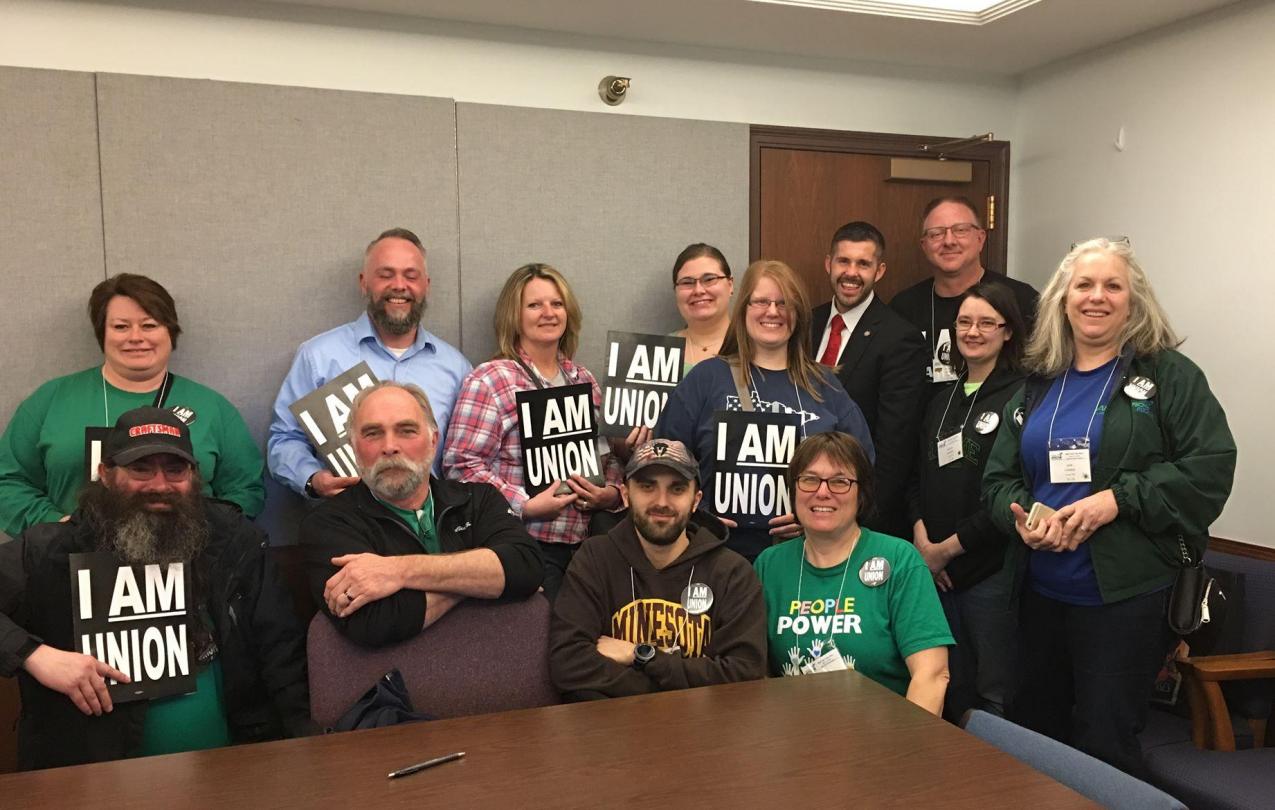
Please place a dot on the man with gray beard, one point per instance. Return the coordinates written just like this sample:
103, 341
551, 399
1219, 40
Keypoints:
389, 337
247, 647
399, 548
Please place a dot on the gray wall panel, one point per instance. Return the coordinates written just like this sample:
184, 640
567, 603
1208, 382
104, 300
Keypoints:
609, 200
50, 228
253, 203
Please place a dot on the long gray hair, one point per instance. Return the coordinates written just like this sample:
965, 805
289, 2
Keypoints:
1052, 348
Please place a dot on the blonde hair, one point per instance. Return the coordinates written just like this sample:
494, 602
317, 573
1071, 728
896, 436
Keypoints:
1052, 348
739, 346
508, 316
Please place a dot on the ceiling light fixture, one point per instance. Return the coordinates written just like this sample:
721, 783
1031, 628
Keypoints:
964, 12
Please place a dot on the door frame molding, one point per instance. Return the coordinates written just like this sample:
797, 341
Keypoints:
996, 153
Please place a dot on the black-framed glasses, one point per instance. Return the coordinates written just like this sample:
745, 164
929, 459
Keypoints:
984, 325
764, 304
960, 230
708, 281
837, 485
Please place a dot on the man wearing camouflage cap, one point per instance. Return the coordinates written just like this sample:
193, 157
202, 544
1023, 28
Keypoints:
658, 602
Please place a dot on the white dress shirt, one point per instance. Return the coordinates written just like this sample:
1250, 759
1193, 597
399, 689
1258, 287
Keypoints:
851, 317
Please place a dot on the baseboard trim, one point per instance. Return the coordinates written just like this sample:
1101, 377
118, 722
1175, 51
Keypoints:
1240, 549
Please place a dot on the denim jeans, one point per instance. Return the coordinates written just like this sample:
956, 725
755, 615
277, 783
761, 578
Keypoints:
1087, 672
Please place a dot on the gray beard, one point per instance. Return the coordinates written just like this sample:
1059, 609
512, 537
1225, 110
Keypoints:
394, 490
137, 536
395, 326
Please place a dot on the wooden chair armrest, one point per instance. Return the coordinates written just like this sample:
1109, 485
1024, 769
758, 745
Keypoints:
1235, 667
1210, 718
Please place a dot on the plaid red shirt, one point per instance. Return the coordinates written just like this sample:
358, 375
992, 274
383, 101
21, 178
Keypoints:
484, 444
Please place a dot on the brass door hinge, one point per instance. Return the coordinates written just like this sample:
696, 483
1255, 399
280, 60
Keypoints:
991, 212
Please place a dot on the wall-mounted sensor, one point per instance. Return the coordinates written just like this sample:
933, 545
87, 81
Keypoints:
613, 89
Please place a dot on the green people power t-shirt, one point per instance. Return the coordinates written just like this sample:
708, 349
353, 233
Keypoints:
874, 628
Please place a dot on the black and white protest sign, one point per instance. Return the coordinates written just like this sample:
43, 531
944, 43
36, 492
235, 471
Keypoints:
94, 439
751, 455
324, 412
559, 435
641, 371
135, 618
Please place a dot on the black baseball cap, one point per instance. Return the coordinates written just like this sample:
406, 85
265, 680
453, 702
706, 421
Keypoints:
144, 432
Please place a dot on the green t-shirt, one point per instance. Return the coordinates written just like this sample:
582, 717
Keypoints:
190, 722
422, 522
874, 628
42, 452
971, 387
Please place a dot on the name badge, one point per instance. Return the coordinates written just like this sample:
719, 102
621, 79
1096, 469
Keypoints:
830, 661
987, 422
1069, 461
951, 449
697, 598
941, 372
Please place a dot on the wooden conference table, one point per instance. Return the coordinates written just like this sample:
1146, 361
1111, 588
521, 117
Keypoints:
830, 740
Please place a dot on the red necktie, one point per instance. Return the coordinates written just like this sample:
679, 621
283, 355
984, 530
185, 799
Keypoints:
834, 342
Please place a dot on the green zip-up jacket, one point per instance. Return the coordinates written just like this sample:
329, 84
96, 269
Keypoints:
1168, 459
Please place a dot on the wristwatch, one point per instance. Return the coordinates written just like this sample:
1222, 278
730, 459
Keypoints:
643, 654
310, 491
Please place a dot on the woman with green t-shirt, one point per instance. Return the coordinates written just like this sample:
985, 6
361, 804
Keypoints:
47, 452
844, 597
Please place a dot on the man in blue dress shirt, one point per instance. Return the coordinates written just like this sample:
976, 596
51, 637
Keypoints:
389, 337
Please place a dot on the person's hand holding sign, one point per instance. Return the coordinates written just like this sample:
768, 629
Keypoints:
784, 527
328, 485
591, 496
548, 503
80, 677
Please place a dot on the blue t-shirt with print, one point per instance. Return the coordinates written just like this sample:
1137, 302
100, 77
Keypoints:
710, 387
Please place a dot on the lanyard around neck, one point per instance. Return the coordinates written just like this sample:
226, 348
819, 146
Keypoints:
161, 396
1102, 397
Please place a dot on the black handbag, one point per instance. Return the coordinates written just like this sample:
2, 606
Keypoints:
1197, 601
385, 704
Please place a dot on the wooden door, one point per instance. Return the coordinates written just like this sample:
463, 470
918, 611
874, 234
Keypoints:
808, 183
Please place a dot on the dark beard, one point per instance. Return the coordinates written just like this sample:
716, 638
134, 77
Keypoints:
124, 527
657, 535
395, 326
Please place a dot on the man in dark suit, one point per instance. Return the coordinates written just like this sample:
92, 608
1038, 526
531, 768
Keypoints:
878, 357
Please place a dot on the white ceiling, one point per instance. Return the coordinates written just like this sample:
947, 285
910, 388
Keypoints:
1034, 36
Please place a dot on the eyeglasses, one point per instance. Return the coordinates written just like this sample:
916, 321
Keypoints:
175, 472
764, 304
984, 325
960, 230
707, 281
1111, 240
837, 485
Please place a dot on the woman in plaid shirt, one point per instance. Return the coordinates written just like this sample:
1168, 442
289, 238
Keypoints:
537, 328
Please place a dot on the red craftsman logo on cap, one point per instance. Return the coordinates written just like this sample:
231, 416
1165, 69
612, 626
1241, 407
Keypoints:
146, 430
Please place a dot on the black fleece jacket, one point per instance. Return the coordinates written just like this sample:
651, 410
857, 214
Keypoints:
466, 516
